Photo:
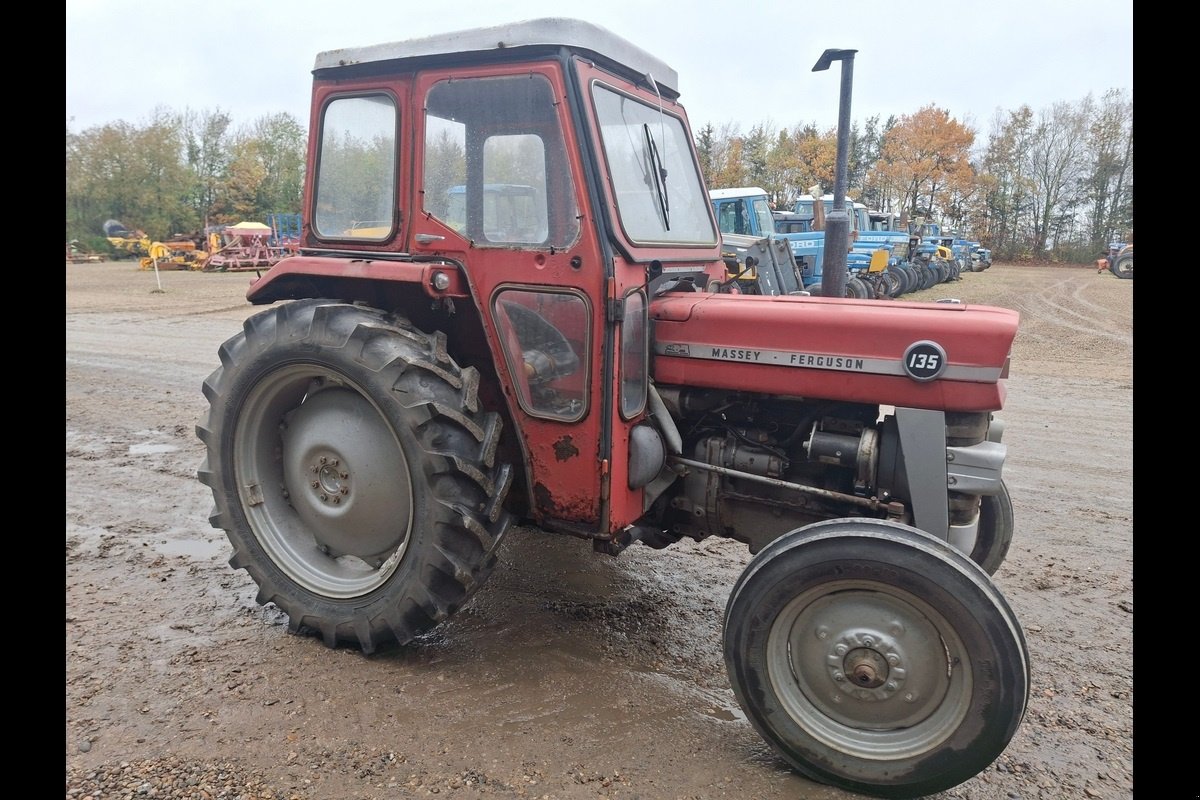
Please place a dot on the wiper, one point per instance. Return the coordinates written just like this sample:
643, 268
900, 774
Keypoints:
659, 173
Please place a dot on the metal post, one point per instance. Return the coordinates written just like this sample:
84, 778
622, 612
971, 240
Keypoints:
837, 223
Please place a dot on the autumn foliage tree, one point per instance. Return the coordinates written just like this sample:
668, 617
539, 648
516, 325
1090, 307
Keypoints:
924, 157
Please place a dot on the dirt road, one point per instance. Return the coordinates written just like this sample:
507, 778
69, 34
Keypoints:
570, 675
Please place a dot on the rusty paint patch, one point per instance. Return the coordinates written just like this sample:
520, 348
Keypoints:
565, 449
542, 496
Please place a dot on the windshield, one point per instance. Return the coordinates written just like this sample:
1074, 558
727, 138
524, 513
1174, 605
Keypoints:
659, 194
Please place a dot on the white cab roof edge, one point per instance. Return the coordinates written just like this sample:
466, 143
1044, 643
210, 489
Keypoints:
545, 31
741, 191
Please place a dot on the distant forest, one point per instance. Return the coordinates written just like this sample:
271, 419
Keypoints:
1048, 184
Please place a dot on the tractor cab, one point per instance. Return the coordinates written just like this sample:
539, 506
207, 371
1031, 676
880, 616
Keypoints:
536, 171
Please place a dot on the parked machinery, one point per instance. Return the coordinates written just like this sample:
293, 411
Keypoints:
126, 243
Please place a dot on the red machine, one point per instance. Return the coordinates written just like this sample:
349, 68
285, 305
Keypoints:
245, 246
424, 374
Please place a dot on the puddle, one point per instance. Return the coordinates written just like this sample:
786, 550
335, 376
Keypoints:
192, 548
150, 449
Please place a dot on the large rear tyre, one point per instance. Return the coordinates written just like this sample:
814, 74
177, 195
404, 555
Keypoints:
1123, 266
854, 289
858, 289
927, 275
995, 532
353, 471
876, 658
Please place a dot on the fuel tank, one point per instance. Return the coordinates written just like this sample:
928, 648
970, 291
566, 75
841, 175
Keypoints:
941, 356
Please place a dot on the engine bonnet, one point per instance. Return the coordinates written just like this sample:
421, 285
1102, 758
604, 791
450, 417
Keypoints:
945, 356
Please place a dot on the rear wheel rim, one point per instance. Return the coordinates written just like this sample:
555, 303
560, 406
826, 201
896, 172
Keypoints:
324, 481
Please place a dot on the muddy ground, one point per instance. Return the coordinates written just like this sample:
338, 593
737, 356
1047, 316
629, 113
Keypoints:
569, 675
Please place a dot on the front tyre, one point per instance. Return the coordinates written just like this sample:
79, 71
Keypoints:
353, 471
876, 658
995, 532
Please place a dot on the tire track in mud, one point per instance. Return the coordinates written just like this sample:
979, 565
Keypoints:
1061, 305
1061, 323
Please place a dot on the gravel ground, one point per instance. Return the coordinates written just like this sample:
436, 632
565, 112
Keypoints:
569, 676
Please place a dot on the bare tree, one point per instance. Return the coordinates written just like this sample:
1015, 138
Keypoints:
1056, 163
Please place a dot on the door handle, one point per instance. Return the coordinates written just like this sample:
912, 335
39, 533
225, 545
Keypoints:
428, 238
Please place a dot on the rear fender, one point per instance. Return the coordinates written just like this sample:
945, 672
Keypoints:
355, 278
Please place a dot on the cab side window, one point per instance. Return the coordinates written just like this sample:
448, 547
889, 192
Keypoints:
356, 169
495, 167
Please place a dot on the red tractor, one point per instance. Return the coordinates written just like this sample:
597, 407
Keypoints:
424, 376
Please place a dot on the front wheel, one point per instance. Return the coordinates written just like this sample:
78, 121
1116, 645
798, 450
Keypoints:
995, 533
353, 471
876, 658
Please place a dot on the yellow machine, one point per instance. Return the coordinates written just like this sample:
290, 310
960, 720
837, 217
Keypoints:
175, 255
127, 243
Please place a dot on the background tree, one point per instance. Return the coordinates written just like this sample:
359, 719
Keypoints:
706, 150
282, 141
1008, 200
925, 154
1109, 159
1056, 183
728, 167
866, 148
178, 173
1056, 166
755, 154
209, 150
816, 151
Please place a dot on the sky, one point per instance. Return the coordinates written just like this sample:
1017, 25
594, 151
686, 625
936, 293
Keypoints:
741, 63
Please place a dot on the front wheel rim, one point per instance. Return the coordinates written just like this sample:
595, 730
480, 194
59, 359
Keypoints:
871, 671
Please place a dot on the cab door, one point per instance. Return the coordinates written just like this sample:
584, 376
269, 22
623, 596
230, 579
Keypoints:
498, 190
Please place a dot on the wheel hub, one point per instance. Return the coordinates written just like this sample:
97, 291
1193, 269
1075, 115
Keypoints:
346, 476
866, 665
332, 483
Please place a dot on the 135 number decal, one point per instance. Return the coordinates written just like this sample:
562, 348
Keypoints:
924, 360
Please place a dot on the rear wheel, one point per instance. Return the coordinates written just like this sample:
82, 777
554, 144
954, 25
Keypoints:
353, 471
876, 658
1123, 266
928, 276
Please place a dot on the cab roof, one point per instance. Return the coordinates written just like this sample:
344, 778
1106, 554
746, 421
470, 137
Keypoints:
543, 34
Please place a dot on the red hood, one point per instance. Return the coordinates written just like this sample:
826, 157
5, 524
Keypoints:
945, 356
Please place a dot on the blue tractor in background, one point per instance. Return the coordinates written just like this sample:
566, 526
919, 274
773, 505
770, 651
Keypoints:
879, 248
1120, 259
758, 258
746, 211
744, 216
887, 257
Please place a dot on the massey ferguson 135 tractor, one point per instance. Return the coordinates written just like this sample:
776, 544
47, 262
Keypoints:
421, 378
